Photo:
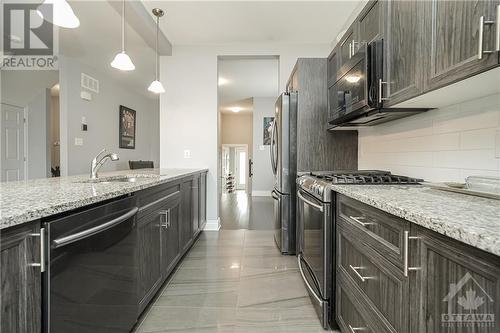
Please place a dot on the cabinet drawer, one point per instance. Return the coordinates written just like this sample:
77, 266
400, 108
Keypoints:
352, 313
382, 231
382, 285
150, 200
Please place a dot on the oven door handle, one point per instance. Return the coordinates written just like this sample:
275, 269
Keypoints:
308, 285
59, 242
310, 203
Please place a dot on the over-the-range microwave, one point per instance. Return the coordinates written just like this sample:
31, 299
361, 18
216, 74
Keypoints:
355, 99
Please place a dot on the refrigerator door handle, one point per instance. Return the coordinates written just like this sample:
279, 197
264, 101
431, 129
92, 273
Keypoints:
272, 147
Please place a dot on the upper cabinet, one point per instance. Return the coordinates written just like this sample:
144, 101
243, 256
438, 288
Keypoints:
462, 39
370, 23
403, 45
347, 44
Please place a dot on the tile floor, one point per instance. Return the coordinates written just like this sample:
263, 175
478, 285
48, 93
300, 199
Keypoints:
233, 281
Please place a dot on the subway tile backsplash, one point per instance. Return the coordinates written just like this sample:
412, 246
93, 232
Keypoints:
446, 144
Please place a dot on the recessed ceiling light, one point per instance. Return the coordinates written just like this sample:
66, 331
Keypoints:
223, 81
236, 109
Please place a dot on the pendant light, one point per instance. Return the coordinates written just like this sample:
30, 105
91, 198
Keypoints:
58, 12
122, 60
156, 86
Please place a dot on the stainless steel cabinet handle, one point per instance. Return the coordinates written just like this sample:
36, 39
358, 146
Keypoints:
310, 203
380, 98
357, 219
406, 250
357, 329
41, 264
165, 213
497, 30
350, 50
362, 278
480, 51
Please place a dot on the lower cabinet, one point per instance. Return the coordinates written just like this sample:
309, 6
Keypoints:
186, 225
203, 201
170, 249
443, 286
20, 279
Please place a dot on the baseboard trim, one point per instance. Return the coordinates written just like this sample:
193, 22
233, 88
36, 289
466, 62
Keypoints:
212, 225
261, 193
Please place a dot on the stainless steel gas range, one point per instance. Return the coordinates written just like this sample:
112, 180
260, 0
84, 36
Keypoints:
316, 230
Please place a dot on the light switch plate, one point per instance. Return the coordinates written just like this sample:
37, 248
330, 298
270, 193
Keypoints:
85, 95
187, 153
497, 144
78, 141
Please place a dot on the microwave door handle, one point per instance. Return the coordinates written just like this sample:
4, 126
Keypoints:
60, 242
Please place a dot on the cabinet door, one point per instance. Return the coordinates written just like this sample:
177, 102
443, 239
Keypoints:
149, 253
457, 287
371, 22
403, 60
454, 30
203, 201
20, 293
186, 223
195, 214
171, 221
347, 45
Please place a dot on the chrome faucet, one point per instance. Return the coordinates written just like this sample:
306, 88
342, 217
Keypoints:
97, 164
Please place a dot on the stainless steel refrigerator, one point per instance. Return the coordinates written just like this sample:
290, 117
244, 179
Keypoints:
284, 165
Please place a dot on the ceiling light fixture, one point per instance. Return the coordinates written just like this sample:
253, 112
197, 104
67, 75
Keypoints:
353, 78
122, 61
236, 109
156, 85
58, 12
223, 81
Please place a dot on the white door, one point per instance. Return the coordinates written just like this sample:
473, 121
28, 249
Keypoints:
240, 159
12, 147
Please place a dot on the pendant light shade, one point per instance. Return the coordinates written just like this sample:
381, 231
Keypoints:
122, 61
156, 86
58, 12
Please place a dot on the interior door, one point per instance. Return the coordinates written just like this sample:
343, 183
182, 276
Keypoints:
12, 143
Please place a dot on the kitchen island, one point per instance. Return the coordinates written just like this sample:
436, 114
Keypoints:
109, 243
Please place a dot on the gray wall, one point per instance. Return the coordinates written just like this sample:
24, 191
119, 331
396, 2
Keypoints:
101, 115
263, 180
39, 137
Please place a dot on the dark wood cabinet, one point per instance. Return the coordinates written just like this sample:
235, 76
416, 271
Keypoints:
451, 280
195, 204
370, 23
149, 256
404, 53
170, 224
186, 223
347, 44
454, 40
444, 286
20, 280
203, 201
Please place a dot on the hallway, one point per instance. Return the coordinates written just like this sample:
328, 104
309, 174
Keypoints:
234, 281
238, 210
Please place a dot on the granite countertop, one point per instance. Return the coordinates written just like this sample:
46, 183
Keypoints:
469, 219
24, 201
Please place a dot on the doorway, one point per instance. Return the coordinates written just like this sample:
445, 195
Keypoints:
247, 89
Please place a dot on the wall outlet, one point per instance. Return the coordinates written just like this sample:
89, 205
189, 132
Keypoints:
497, 144
187, 153
78, 141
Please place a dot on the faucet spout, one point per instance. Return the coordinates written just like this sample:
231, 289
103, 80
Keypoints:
97, 162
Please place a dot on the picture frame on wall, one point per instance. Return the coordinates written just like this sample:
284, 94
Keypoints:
127, 123
268, 127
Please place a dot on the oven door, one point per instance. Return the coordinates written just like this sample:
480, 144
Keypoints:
315, 250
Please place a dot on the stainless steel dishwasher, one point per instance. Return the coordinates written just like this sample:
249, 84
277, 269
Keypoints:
90, 284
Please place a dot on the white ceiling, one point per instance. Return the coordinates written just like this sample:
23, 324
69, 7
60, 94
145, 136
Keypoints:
98, 39
238, 22
242, 78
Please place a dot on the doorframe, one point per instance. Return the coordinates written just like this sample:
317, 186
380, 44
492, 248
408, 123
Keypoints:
245, 145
